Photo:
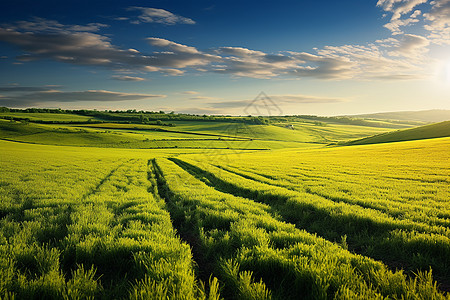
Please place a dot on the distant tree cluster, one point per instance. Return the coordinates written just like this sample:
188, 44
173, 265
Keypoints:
139, 117
163, 118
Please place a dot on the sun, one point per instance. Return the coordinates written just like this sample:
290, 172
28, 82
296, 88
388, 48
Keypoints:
447, 73
444, 72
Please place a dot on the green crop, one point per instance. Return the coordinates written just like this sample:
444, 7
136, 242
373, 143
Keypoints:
357, 222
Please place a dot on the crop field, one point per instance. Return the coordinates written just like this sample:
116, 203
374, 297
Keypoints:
345, 222
47, 116
388, 202
186, 135
435, 130
94, 209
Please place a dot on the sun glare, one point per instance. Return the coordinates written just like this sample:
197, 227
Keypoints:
444, 73
446, 76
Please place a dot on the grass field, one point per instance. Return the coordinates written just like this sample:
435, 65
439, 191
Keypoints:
184, 134
436, 130
48, 117
85, 214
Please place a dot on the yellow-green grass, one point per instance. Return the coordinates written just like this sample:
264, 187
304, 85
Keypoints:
54, 117
80, 223
434, 115
302, 132
332, 133
436, 130
258, 256
129, 138
185, 134
389, 201
18, 150
250, 219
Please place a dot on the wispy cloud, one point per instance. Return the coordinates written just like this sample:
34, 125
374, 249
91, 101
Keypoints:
412, 46
127, 78
21, 89
399, 7
202, 110
436, 20
439, 22
157, 15
278, 100
299, 98
163, 43
203, 98
401, 56
39, 97
396, 25
43, 39
44, 25
190, 93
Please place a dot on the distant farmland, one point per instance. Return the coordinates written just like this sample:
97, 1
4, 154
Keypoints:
221, 210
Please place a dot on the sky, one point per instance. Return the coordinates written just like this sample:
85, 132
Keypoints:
323, 57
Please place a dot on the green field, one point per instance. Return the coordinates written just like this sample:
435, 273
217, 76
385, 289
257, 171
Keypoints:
436, 130
182, 134
221, 210
47, 117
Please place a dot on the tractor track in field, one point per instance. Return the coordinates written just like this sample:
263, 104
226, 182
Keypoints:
317, 220
230, 188
226, 187
205, 268
102, 181
442, 221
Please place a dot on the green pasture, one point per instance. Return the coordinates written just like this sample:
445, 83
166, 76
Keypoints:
223, 210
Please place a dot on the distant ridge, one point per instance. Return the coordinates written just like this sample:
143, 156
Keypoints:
436, 130
429, 116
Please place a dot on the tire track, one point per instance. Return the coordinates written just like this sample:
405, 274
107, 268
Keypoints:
441, 220
188, 234
361, 235
268, 198
102, 181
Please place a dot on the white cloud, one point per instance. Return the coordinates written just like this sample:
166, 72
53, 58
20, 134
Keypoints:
52, 40
244, 62
38, 97
127, 78
163, 43
203, 98
202, 110
156, 15
412, 46
278, 100
44, 25
298, 98
240, 51
374, 61
395, 25
436, 17
399, 57
399, 8
20, 89
439, 21
172, 72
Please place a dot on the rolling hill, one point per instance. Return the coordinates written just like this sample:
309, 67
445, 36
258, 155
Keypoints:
436, 130
430, 116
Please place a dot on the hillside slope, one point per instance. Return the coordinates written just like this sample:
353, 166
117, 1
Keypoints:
183, 134
436, 130
432, 116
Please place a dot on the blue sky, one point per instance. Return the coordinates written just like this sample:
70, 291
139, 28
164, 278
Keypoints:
310, 57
